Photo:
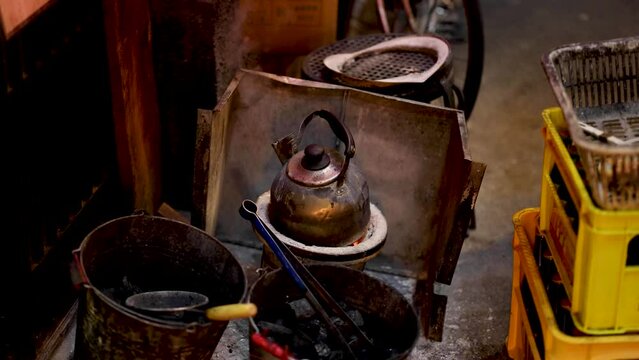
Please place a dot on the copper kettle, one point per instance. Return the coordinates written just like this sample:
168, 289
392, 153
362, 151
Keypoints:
319, 197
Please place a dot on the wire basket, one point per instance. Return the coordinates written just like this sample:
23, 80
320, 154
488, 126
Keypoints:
597, 87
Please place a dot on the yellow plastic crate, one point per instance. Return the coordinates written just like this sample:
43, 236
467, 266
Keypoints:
533, 330
596, 251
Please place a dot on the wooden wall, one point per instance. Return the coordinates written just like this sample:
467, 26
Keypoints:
57, 152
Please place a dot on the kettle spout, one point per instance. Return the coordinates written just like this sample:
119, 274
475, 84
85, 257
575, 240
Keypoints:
285, 148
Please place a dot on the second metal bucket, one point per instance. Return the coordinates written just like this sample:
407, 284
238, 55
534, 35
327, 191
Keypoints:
395, 316
144, 253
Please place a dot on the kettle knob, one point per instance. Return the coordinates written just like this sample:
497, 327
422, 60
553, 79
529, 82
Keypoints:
315, 158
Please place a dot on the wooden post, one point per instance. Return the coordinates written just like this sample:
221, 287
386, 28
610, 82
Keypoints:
135, 109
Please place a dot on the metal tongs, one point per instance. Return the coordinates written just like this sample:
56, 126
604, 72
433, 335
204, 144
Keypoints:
317, 296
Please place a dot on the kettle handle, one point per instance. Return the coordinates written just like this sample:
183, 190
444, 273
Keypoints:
339, 129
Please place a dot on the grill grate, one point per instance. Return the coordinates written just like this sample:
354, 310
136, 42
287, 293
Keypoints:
388, 65
624, 130
601, 80
375, 67
604, 89
313, 66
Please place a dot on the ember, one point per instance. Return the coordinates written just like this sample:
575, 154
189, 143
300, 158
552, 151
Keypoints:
296, 325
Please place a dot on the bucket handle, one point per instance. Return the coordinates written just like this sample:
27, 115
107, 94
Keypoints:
78, 274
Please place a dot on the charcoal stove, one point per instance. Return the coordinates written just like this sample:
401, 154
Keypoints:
384, 65
354, 256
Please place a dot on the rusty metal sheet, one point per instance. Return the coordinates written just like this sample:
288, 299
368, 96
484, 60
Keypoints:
465, 214
415, 157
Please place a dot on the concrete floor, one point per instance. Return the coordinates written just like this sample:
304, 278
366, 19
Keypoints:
505, 134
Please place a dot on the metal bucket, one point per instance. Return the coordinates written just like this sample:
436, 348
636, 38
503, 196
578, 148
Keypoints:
144, 253
398, 319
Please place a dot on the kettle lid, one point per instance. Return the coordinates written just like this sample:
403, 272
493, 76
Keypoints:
315, 166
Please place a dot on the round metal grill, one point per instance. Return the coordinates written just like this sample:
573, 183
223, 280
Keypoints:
389, 65
313, 66
376, 66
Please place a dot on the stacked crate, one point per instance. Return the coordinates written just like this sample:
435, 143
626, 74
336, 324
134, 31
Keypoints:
576, 266
576, 259
596, 251
541, 326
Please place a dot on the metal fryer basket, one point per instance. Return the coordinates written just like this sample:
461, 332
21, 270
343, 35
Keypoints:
598, 84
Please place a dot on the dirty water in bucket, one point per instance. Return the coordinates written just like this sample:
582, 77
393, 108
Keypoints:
143, 253
379, 310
